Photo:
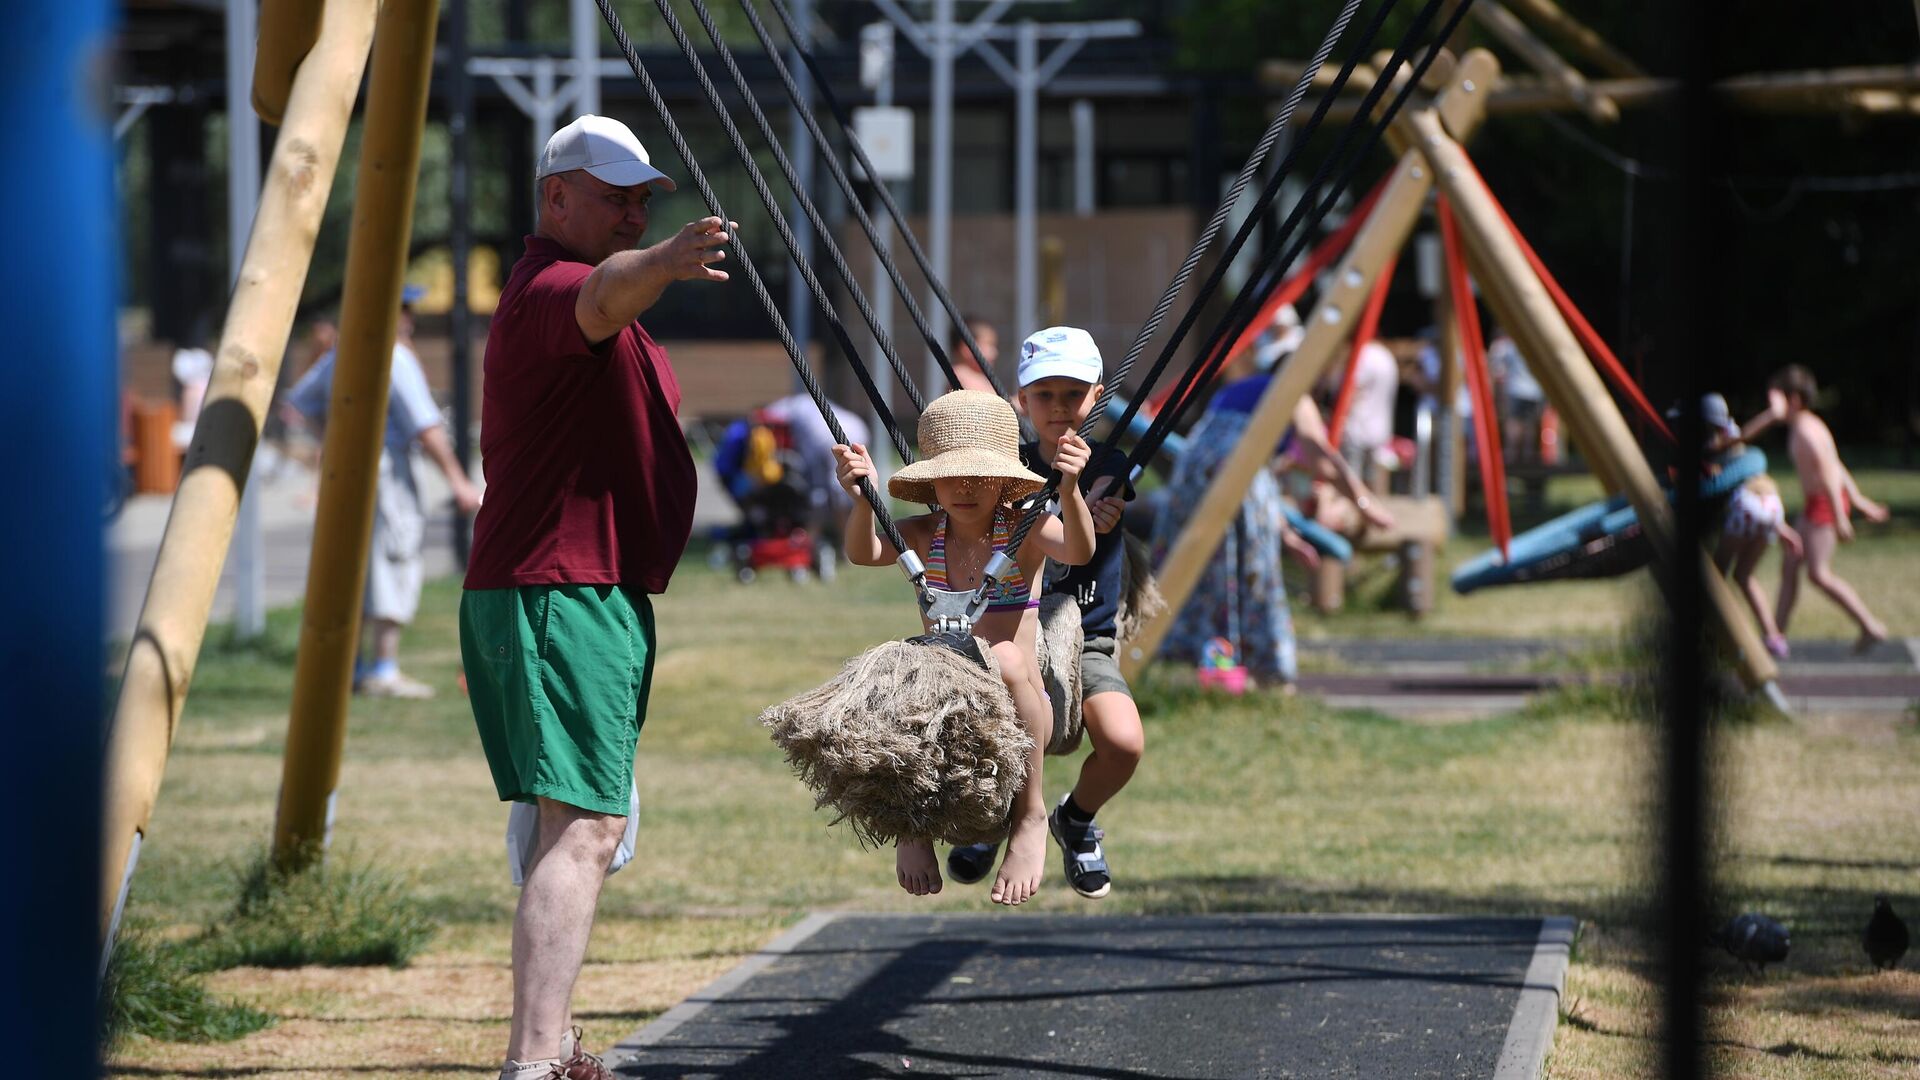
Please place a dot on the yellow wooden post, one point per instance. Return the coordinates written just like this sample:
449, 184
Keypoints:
1574, 388
173, 619
356, 425
1460, 107
288, 31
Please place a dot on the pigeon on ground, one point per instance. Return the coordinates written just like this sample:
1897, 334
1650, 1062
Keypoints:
1755, 940
1886, 936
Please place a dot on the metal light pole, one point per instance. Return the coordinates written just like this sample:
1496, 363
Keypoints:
876, 74
940, 184
460, 245
585, 25
800, 153
1028, 74
243, 197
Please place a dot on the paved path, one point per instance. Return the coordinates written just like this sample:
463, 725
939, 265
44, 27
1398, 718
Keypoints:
1013, 995
1469, 677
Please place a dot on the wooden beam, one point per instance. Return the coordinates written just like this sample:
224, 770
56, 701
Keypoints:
1844, 89
1513, 33
1327, 329
384, 190
173, 618
1574, 387
1577, 36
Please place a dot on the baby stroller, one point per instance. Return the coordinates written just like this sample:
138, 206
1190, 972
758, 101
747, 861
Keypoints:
782, 511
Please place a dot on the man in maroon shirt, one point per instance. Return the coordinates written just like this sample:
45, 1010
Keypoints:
589, 503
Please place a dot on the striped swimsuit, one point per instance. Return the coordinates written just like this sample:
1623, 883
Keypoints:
1009, 594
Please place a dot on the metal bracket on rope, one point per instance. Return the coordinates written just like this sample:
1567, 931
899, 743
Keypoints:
951, 613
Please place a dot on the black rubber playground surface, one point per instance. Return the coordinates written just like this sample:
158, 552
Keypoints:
1230, 996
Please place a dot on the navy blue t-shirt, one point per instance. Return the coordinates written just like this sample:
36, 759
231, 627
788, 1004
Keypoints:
1096, 584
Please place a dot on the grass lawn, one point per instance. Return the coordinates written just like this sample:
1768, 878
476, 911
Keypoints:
1254, 804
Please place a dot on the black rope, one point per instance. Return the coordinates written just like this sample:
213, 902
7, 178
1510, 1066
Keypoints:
832, 159
893, 209
1214, 225
800, 365
779, 219
1289, 240
807, 206
1240, 184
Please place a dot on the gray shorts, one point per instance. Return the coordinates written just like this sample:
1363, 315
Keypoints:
396, 561
1099, 671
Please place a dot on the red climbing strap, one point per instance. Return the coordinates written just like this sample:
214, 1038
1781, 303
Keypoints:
1486, 423
1363, 335
1290, 290
1590, 339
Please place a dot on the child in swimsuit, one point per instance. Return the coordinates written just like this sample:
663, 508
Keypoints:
970, 469
1831, 495
1754, 516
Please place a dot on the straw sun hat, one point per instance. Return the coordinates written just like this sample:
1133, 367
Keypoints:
967, 433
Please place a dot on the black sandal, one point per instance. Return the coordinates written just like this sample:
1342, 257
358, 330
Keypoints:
969, 863
1085, 859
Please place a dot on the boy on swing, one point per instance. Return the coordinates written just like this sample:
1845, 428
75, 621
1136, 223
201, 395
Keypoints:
970, 468
1060, 379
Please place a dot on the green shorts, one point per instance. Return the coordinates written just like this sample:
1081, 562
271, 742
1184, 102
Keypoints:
558, 677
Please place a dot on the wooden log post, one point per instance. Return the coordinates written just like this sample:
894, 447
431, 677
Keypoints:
1460, 108
1574, 387
1577, 36
356, 426
288, 31
173, 618
1503, 25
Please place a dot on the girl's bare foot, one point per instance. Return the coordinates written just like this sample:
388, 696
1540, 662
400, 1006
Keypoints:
1026, 860
917, 866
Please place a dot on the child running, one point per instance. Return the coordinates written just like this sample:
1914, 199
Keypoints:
1753, 517
970, 467
1060, 379
1831, 495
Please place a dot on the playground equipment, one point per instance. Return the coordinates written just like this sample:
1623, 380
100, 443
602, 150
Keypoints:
1431, 153
1602, 539
318, 94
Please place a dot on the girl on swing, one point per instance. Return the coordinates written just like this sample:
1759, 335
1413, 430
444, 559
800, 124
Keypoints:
970, 469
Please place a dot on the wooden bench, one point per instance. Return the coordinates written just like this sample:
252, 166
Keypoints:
1420, 527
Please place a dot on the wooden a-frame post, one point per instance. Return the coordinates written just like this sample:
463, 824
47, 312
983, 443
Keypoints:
1522, 305
317, 97
1460, 108
356, 427
1574, 388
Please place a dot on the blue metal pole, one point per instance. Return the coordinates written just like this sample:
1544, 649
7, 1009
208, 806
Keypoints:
57, 435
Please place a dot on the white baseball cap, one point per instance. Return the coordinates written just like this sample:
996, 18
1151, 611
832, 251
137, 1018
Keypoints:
1060, 352
604, 147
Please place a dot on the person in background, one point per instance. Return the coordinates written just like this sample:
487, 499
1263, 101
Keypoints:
967, 366
1367, 440
1519, 397
1831, 496
396, 556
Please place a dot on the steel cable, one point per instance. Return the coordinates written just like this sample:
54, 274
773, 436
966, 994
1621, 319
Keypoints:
893, 209
785, 231
1289, 240
845, 183
800, 365
1265, 199
807, 206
